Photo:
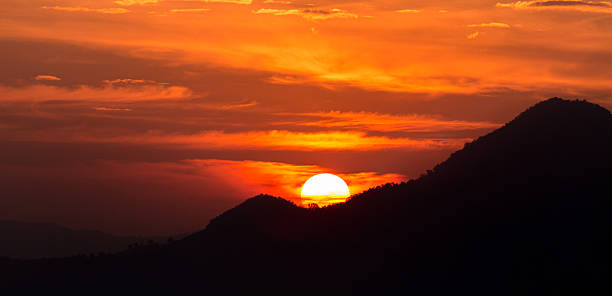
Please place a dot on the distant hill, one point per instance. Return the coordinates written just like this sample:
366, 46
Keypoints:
39, 240
523, 210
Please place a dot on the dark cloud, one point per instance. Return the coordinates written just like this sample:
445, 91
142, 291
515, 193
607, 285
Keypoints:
571, 3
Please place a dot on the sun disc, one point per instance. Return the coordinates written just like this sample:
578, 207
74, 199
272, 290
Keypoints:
324, 189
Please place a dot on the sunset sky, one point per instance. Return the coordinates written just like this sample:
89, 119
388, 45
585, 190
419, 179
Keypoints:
151, 117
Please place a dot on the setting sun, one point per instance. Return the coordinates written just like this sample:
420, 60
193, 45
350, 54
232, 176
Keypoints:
324, 189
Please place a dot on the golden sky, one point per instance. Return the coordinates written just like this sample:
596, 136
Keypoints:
165, 113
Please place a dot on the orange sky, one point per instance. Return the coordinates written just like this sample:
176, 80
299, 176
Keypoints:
218, 100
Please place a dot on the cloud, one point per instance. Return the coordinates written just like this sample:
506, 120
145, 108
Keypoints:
47, 78
107, 93
473, 35
227, 107
287, 140
127, 81
288, 79
390, 123
310, 14
274, 140
409, 11
111, 109
571, 3
376, 79
135, 2
181, 10
236, 106
277, 2
490, 25
241, 2
586, 6
113, 10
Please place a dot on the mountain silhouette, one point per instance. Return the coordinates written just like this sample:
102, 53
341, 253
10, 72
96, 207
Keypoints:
29, 240
524, 209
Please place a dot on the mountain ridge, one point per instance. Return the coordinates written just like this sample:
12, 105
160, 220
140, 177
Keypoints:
31, 240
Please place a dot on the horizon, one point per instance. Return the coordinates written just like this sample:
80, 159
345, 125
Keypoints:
152, 117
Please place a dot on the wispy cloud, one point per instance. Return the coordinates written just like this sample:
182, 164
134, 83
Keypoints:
389, 123
111, 109
47, 78
473, 35
310, 14
280, 140
490, 25
239, 105
268, 140
409, 10
226, 107
187, 10
241, 2
277, 2
108, 93
135, 2
588, 6
113, 10
127, 81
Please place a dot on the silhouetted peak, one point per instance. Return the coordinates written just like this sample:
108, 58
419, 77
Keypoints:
267, 200
560, 110
553, 137
264, 215
257, 207
557, 121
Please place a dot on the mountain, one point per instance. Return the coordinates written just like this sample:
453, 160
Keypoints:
38, 240
522, 210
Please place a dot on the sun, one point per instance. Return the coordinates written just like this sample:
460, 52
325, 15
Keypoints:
324, 190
